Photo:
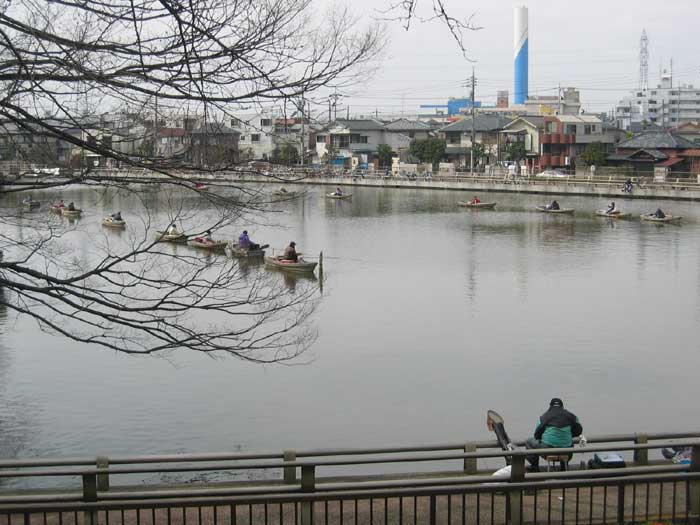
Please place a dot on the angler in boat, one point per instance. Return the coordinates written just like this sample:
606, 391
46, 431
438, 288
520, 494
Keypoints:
290, 252
659, 214
245, 243
117, 216
338, 192
554, 205
475, 200
611, 208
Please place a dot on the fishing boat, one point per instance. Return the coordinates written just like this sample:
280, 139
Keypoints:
206, 244
200, 186
111, 222
478, 205
170, 237
71, 214
613, 215
284, 193
236, 251
343, 196
544, 209
301, 266
31, 205
56, 208
650, 217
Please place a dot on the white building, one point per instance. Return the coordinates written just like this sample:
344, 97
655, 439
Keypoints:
263, 134
666, 105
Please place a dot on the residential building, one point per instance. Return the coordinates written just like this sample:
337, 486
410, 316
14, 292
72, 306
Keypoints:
689, 131
568, 102
666, 105
487, 133
214, 144
556, 141
262, 135
354, 142
653, 152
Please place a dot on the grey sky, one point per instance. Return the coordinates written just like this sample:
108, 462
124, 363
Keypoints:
593, 45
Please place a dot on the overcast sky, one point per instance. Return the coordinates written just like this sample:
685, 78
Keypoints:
592, 45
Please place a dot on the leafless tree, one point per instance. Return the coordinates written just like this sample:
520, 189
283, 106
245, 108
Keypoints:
66, 63
408, 11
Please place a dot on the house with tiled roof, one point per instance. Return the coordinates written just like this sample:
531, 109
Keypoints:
649, 151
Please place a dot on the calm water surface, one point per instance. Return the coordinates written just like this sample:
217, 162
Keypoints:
430, 315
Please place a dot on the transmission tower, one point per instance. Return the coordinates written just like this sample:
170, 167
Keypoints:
644, 61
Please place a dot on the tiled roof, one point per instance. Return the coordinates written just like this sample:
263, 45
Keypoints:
361, 124
404, 124
481, 123
656, 140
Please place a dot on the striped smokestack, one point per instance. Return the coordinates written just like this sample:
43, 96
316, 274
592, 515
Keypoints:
521, 55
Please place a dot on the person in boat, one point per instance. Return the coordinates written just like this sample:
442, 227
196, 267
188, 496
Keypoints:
554, 205
556, 428
28, 200
61, 204
338, 192
659, 214
172, 230
245, 243
206, 238
117, 216
611, 208
290, 252
71, 206
283, 190
475, 200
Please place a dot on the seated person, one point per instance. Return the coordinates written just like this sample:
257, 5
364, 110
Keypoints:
117, 216
172, 230
245, 243
28, 199
338, 192
553, 206
611, 208
659, 214
556, 429
61, 204
71, 207
290, 253
475, 200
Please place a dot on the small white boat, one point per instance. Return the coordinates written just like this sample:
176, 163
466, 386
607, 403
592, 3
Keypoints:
613, 215
544, 209
343, 196
71, 214
171, 237
111, 222
236, 251
210, 245
31, 205
650, 217
301, 266
478, 205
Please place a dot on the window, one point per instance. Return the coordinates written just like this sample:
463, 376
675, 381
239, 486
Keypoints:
355, 138
571, 129
411, 134
320, 139
255, 137
235, 122
653, 93
266, 122
588, 129
363, 140
242, 139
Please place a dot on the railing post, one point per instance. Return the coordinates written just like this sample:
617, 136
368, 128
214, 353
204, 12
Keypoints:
89, 495
514, 497
308, 484
621, 504
470, 466
290, 472
641, 456
432, 510
102, 462
694, 488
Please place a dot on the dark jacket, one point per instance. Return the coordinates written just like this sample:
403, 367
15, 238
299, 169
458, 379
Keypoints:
557, 427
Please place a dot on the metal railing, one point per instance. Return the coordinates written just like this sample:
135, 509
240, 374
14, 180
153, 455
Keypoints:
465, 494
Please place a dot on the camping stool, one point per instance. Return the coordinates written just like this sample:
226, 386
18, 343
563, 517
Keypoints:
562, 459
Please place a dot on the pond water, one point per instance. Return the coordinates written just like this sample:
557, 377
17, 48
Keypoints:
430, 314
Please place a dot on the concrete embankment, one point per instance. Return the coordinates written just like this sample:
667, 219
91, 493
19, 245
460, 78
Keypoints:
686, 191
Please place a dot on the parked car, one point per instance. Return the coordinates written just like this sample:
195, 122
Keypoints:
554, 174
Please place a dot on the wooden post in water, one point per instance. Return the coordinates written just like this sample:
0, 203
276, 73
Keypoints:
320, 265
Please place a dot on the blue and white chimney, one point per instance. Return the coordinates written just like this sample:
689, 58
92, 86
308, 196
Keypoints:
521, 52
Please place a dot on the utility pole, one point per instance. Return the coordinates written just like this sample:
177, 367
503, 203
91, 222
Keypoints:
473, 124
559, 99
302, 149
